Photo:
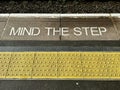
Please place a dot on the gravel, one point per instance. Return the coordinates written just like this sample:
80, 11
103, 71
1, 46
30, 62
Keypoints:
59, 7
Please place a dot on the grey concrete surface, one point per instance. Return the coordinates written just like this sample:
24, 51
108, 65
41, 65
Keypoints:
4, 17
28, 21
90, 34
95, 22
34, 17
2, 26
38, 22
3, 22
116, 20
42, 36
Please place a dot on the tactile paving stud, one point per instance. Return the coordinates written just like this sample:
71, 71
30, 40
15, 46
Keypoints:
69, 65
113, 63
94, 65
20, 65
45, 65
5, 58
97, 65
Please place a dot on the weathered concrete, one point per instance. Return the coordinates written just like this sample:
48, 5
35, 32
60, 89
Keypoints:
89, 28
116, 21
4, 17
3, 22
62, 27
36, 23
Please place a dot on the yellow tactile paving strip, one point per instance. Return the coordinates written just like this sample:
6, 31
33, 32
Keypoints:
20, 65
45, 65
4, 63
60, 65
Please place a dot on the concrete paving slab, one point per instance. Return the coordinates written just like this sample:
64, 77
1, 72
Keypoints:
100, 28
4, 17
31, 27
61, 27
2, 26
116, 21
83, 17
3, 21
29, 31
34, 17
117, 24
115, 17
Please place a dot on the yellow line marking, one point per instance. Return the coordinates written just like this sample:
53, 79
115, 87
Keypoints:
60, 65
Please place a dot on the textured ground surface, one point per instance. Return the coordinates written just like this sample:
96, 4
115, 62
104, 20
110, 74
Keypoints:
59, 85
59, 7
49, 7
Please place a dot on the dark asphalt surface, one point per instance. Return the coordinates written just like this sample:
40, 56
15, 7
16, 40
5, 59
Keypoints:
58, 85
57, 48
